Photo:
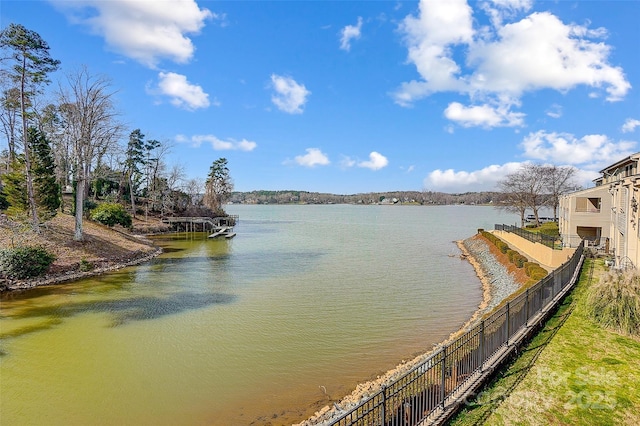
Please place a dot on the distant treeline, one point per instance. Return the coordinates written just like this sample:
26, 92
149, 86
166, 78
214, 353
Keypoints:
398, 197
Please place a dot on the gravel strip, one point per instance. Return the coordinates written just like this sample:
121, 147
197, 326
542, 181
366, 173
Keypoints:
501, 280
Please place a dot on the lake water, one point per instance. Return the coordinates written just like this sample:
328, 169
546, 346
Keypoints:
242, 331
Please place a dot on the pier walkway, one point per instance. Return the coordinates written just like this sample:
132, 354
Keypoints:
201, 224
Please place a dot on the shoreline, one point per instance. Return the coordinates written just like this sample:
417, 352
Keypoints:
104, 249
64, 277
494, 279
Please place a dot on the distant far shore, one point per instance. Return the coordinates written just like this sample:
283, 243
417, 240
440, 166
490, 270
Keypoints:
424, 198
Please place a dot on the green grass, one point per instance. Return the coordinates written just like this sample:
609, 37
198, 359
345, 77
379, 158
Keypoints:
573, 372
549, 228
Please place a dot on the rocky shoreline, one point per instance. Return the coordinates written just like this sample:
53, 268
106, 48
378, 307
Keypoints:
497, 284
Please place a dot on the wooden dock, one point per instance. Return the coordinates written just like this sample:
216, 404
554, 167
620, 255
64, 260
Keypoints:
201, 224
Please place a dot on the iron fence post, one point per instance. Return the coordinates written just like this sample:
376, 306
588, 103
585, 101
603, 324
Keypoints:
482, 357
384, 405
508, 327
526, 308
444, 376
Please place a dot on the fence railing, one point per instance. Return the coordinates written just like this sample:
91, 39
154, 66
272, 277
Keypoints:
433, 384
534, 237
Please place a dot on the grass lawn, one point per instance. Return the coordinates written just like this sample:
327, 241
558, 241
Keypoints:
573, 372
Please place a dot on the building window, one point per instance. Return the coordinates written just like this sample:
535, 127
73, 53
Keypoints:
588, 205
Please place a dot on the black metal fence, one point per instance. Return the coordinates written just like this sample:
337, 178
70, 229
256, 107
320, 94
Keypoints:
547, 240
431, 385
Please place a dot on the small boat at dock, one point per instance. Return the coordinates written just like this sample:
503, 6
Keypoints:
223, 232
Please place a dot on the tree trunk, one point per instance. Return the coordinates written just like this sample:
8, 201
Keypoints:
133, 198
78, 236
535, 213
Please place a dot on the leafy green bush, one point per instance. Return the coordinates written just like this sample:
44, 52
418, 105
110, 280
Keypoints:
534, 271
111, 214
85, 265
521, 260
25, 262
614, 302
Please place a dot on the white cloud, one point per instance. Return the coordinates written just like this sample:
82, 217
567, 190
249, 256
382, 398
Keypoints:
630, 125
313, 157
590, 151
461, 181
542, 52
290, 96
487, 179
218, 144
503, 61
587, 154
499, 10
483, 115
439, 24
348, 33
182, 93
376, 161
555, 111
144, 30
347, 162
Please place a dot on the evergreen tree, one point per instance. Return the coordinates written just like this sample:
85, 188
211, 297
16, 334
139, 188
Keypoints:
4, 204
15, 189
46, 188
218, 186
132, 164
29, 64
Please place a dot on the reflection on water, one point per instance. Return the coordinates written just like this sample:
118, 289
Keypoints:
121, 310
305, 302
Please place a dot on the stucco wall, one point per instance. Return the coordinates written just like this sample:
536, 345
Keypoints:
545, 256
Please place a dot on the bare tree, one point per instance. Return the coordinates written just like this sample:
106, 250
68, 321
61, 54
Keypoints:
525, 189
92, 126
513, 196
559, 180
9, 118
194, 188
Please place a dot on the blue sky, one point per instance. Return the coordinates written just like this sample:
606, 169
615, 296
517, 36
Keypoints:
361, 96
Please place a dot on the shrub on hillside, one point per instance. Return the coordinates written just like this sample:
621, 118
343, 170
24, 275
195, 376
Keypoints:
25, 262
534, 270
614, 302
111, 214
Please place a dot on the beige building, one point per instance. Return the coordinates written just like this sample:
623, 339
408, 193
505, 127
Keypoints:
607, 215
585, 215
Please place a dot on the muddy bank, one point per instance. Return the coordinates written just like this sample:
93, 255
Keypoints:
497, 284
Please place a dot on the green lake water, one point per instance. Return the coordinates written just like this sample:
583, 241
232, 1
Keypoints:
242, 331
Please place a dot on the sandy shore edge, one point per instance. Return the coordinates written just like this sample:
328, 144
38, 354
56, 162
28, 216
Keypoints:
364, 390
